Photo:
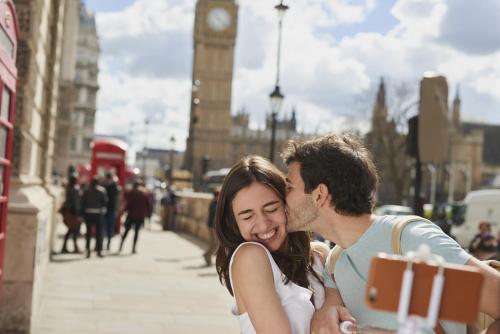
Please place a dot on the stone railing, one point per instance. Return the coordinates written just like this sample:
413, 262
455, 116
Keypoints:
193, 213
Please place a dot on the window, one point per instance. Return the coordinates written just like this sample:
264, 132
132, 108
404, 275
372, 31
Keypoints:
82, 95
92, 76
91, 98
3, 141
89, 120
2, 171
6, 43
4, 112
86, 144
73, 144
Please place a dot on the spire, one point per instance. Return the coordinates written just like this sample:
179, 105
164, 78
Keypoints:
293, 120
379, 113
381, 93
457, 95
456, 109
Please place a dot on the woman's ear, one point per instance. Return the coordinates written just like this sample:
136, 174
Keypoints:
321, 195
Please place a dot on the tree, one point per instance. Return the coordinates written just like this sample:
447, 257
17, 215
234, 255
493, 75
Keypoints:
387, 141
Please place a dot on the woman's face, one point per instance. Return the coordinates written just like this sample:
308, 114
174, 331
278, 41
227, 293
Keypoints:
260, 215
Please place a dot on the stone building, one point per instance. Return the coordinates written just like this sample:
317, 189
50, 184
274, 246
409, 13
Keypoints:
85, 89
245, 141
33, 200
471, 160
154, 162
474, 154
67, 89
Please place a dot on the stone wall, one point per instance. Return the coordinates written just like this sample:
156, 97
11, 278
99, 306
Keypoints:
193, 213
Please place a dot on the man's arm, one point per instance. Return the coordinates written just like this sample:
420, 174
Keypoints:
327, 319
490, 300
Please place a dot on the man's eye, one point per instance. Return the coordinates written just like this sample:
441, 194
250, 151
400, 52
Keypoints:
271, 210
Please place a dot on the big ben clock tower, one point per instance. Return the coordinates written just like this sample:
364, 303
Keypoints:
208, 143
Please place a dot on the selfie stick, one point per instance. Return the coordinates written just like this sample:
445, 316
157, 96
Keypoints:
413, 324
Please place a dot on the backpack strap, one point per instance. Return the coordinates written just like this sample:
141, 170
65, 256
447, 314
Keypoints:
334, 256
397, 230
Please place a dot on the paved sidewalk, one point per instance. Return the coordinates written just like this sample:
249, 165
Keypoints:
164, 288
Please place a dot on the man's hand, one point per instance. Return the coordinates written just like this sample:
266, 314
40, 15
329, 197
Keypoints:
328, 318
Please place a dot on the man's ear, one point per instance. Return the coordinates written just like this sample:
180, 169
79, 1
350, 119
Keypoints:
321, 195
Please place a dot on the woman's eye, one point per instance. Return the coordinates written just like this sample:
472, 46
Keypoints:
272, 210
247, 218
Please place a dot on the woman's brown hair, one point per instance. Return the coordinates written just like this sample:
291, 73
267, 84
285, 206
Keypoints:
294, 259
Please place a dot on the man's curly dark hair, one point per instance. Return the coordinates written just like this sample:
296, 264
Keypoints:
343, 164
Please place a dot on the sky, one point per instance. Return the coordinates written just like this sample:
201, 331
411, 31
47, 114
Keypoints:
334, 53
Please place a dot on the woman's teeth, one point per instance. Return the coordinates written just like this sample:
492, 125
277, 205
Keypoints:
268, 235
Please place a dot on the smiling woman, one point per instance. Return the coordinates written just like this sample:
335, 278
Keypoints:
258, 261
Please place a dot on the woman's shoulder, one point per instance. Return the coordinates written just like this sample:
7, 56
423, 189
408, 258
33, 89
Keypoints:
250, 256
249, 251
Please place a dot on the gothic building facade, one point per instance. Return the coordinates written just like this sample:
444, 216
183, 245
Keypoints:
33, 200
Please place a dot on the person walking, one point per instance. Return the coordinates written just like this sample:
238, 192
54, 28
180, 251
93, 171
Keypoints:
70, 211
113, 191
138, 207
212, 237
94, 202
169, 209
484, 244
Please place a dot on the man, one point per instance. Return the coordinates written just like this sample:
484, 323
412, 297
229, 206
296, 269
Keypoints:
138, 207
94, 201
331, 187
212, 237
169, 207
113, 193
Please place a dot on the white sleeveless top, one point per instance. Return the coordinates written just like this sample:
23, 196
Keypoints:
296, 300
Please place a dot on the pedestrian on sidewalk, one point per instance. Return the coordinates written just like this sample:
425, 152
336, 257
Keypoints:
113, 191
70, 210
169, 209
212, 237
138, 207
94, 202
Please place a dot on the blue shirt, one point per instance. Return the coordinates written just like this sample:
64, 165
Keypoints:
351, 268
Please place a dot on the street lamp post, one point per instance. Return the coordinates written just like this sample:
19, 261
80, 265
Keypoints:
276, 96
145, 149
171, 162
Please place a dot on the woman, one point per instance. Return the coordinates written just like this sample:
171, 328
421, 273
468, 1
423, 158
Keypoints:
269, 272
70, 211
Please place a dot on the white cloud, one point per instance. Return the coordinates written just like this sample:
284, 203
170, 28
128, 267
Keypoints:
147, 54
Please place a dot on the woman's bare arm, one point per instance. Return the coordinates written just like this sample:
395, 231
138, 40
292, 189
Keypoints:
255, 292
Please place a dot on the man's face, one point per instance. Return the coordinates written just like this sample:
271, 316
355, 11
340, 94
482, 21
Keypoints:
300, 206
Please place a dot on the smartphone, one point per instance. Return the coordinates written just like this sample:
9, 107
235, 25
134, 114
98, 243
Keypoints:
461, 291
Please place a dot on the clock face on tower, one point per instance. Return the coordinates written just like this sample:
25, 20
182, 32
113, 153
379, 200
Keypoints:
218, 19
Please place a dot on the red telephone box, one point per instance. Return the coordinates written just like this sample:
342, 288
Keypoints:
9, 33
109, 155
